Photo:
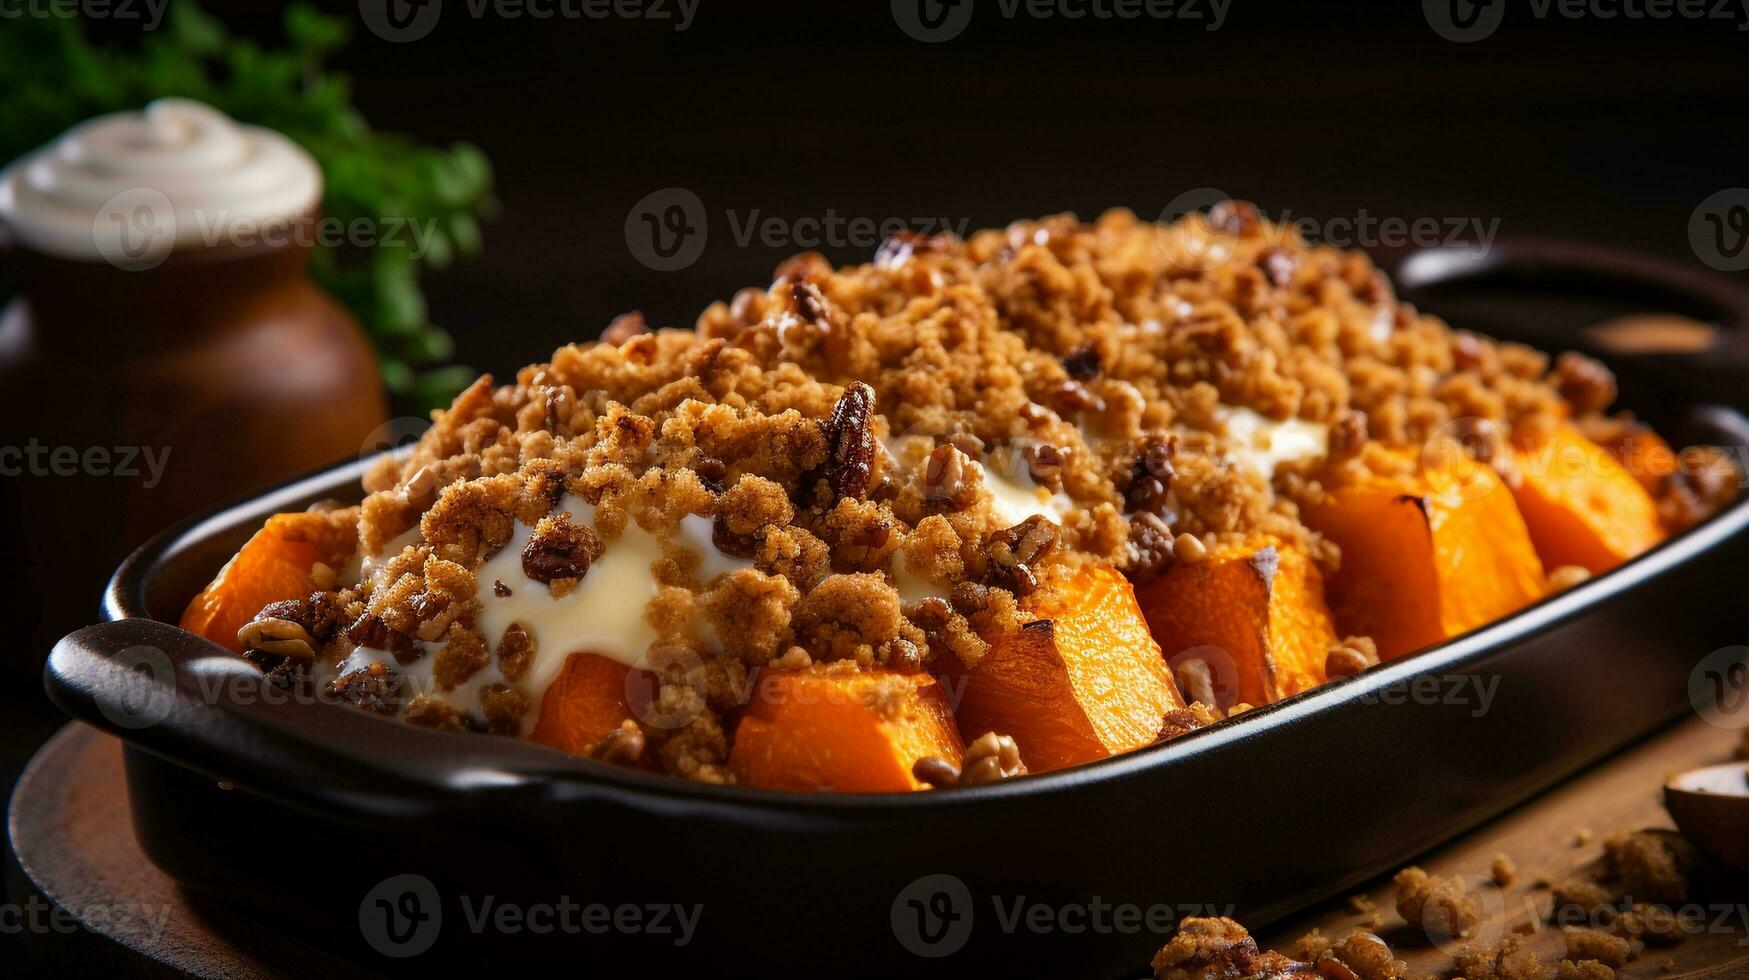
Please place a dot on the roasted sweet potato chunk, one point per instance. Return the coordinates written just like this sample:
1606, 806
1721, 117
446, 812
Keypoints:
1427, 554
1583, 507
273, 565
1641, 451
1082, 682
587, 701
1260, 604
836, 728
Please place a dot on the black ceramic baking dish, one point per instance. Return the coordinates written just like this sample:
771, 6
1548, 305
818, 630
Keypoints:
402, 846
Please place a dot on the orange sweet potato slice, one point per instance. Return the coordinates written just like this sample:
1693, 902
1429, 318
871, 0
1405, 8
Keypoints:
841, 729
1583, 507
1260, 604
587, 701
1641, 451
275, 564
1426, 555
1083, 682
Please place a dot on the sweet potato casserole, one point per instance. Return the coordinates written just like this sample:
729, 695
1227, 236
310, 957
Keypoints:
969, 510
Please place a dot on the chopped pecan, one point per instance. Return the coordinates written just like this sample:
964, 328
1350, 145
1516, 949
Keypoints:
1150, 545
1348, 435
947, 478
624, 746
374, 688
1071, 398
516, 649
712, 472
850, 441
1082, 363
624, 327
280, 637
503, 706
1151, 476
1235, 218
991, 758
560, 549
371, 631
1045, 462
1585, 383
732, 544
810, 304
1014, 551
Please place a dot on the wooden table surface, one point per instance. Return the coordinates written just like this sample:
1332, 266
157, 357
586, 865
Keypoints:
1542, 838
70, 825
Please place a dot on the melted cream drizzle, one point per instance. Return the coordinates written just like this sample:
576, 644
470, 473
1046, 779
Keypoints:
1261, 443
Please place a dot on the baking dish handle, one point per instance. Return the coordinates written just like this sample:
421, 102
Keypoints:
190, 700
1713, 370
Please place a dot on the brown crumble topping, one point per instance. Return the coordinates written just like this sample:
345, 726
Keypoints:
842, 429
1438, 906
1503, 870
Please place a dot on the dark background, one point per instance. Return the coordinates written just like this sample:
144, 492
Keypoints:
1609, 130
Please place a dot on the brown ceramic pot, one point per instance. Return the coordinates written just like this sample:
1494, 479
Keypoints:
131, 399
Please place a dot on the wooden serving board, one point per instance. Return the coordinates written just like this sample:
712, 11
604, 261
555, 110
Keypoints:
71, 830
1543, 839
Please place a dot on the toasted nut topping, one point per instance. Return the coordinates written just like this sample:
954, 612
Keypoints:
1082, 363
1188, 548
850, 441
946, 478
1014, 551
624, 327
1196, 681
421, 488
623, 746
936, 771
281, 637
989, 759
1150, 545
560, 549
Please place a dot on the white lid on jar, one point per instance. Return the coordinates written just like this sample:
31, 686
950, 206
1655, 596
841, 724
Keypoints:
130, 187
